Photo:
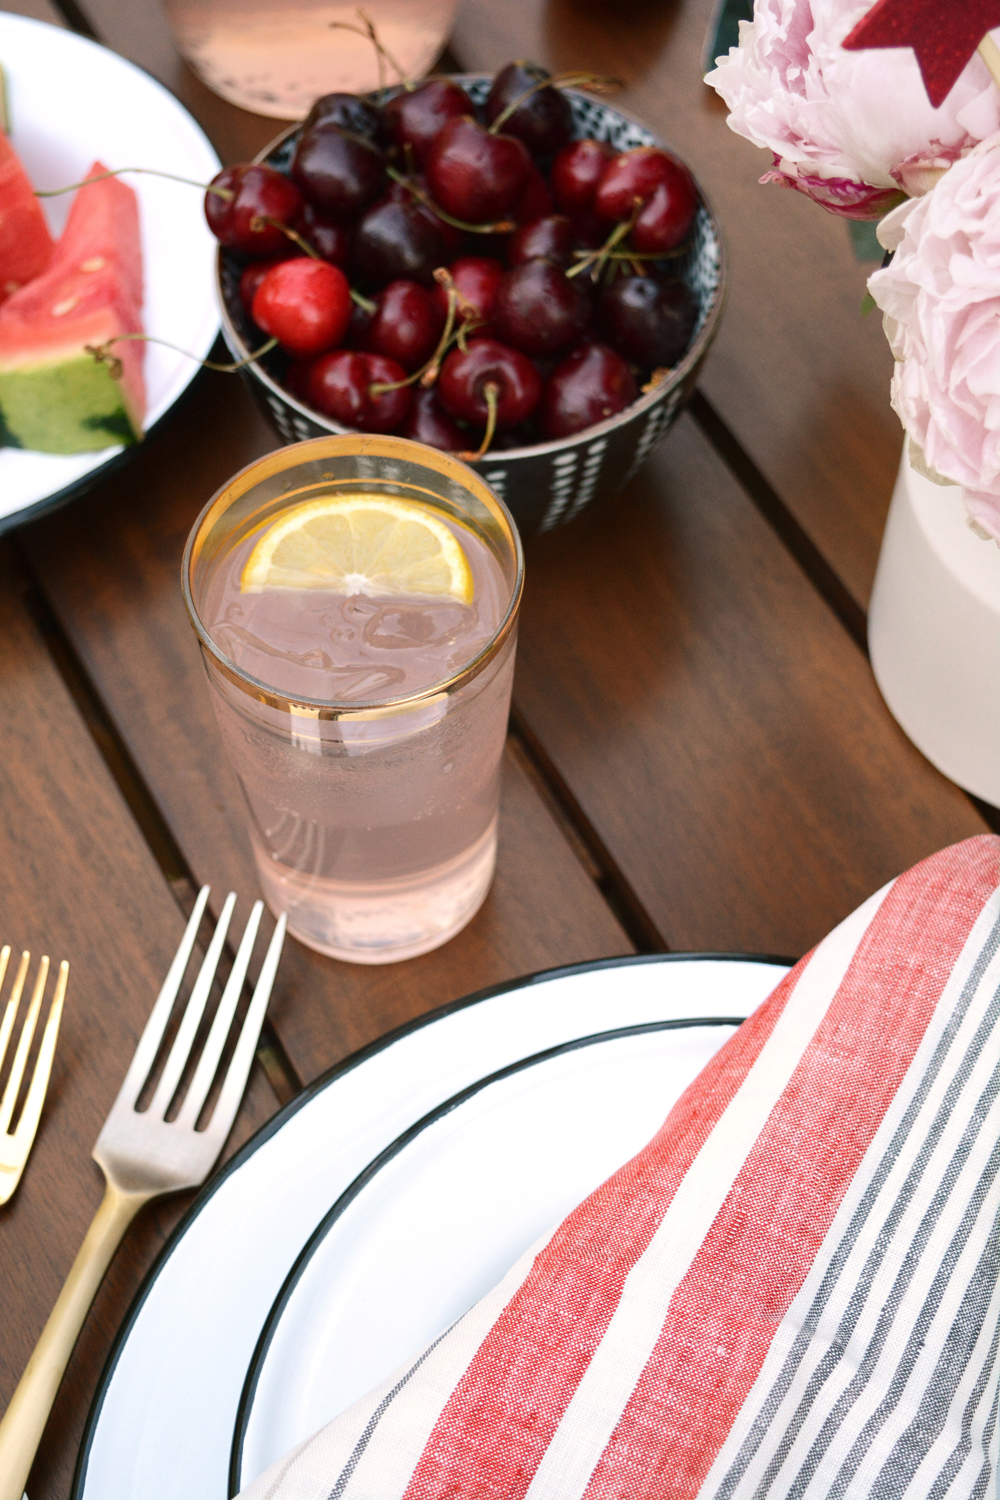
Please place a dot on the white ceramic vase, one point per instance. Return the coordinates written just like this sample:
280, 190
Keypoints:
934, 632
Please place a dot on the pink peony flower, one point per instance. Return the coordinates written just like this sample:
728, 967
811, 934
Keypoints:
940, 297
853, 130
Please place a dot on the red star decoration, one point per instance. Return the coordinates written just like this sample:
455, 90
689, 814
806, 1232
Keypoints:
943, 33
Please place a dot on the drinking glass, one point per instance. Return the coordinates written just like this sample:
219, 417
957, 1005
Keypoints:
275, 58
373, 823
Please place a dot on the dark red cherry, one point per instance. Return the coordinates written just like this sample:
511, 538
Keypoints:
590, 384
666, 220
466, 373
539, 310
305, 304
589, 232
544, 121
650, 322
340, 175
576, 172
427, 423
535, 200
395, 241
348, 112
331, 241
254, 274
339, 384
406, 326
398, 192
258, 193
477, 279
415, 118
295, 380
635, 174
473, 175
550, 238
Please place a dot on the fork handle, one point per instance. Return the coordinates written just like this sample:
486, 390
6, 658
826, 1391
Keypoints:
25, 1418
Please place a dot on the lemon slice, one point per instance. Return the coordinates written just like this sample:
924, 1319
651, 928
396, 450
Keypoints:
359, 544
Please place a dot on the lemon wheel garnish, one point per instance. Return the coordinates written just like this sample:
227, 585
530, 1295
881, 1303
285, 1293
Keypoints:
359, 544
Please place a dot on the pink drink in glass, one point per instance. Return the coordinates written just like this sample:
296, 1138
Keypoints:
372, 777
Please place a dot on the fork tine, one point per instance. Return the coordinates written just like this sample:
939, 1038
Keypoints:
191, 1020
149, 1042
7, 1026
31, 1113
212, 1051
23, 1047
236, 1076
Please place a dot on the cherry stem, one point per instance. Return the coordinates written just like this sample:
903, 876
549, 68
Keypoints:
303, 244
503, 226
599, 258
206, 187
103, 356
594, 81
382, 53
428, 372
492, 393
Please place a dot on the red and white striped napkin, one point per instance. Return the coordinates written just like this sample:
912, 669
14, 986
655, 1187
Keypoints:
792, 1291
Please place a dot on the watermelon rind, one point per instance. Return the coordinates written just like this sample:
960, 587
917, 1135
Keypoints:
74, 406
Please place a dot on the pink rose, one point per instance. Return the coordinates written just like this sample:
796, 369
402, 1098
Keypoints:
853, 130
940, 297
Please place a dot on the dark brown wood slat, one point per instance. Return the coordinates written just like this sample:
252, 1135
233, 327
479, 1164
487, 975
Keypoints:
722, 732
37, 10
110, 566
76, 881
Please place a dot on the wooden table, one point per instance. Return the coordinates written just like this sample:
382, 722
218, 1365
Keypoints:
699, 758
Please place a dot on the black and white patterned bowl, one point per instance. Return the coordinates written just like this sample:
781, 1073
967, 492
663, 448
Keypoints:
547, 483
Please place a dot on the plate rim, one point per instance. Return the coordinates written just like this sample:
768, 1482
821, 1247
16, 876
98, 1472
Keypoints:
77, 488
311, 1090
387, 1154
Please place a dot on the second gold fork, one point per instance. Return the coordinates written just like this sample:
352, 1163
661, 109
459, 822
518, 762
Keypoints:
15, 1145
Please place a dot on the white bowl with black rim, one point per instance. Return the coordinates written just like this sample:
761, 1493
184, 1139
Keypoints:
544, 484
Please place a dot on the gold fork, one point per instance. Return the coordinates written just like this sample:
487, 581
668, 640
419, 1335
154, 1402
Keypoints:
15, 1145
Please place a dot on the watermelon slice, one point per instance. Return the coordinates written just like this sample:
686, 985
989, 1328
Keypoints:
54, 395
25, 242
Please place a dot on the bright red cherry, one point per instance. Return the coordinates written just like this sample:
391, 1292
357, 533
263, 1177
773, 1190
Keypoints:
666, 220
473, 175
539, 310
588, 386
543, 121
416, 117
636, 175
339, 385
254, 274
258, 193
406, 326
427, 423
576, 172
550, 238
466, 374
477, 279
305, 304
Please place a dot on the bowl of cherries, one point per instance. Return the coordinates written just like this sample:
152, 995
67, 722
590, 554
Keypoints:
504, 268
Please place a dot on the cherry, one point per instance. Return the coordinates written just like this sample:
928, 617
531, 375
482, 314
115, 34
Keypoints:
590, 384
465, 375
396, 241
539, 310
331, 241
254, 274
589, 233
339, 174
415, 118
305, 304
348, 112
535, 200
338, 385
427, 423
650, 322
551, 238
544, 121
576, 172
399, 192
406, 326
258, 193
637, 174
476, 278
666, 220
473, 175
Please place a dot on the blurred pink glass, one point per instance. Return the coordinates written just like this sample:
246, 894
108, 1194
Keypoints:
276, 58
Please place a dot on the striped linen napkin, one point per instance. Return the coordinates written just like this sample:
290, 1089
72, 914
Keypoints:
792, 1291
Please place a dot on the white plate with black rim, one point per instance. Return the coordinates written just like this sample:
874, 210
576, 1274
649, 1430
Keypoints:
72, 102
225, 1302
